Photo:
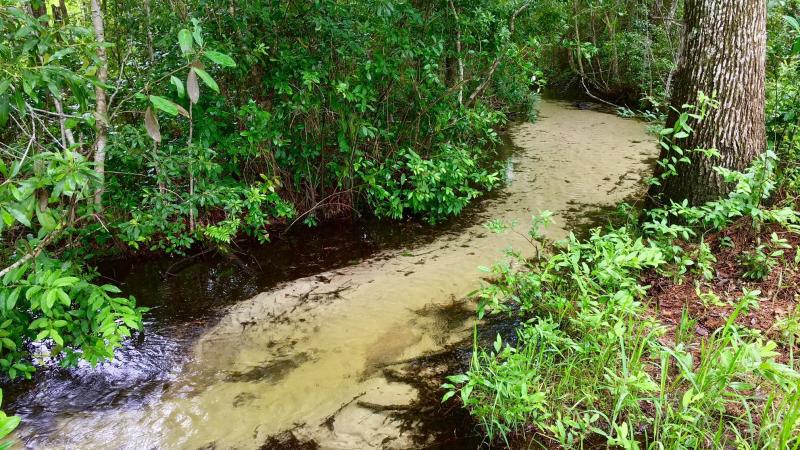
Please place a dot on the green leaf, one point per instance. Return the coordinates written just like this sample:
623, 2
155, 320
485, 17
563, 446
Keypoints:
57, 337
4, 109
11, 301
196, 33
50, 298
42, 334
178, 86
9, 344
792, 22
8, 424
220, 58
110, 288
461, 378
66, 281
46, 219
206, 79
19, 215
164, 105
65, 300
41, 322
447, 395
185, 40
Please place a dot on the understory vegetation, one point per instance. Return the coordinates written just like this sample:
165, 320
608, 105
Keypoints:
598, 356
174, 128
160, 127
676, 329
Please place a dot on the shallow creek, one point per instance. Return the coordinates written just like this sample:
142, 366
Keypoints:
307, 354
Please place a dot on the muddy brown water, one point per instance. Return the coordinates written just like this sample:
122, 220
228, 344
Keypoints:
322, 316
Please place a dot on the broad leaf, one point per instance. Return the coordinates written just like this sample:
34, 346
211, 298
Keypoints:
151, 124
185, 40
164, 105
206, 79
178, 86
192, 86
220, 58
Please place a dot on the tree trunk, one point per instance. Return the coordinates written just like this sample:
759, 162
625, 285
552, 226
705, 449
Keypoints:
101, 109
723, 52
458, 55
149, 25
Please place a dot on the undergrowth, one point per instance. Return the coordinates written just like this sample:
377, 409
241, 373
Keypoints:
592, 363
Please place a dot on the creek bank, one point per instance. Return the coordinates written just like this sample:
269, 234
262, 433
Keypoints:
311, 355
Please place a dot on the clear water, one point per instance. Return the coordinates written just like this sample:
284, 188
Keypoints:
287, 336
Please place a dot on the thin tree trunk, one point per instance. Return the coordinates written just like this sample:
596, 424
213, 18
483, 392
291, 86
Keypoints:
460, 56
191, 171
667, 22
148, 24
64, 13
578, 42
723, 52
485, 83
101, 109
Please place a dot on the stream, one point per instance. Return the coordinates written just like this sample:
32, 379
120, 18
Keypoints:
297, 338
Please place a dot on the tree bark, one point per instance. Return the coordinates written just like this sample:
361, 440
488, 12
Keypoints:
459, 55
149, 25
101, 109
723, 52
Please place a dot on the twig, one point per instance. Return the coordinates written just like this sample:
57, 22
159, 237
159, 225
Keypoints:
28, 256
317, 205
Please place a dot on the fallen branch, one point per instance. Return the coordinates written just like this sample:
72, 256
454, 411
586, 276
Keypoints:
328, 422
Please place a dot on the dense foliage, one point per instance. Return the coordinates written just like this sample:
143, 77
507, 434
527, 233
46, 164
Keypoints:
594, 360
161, 126
591, 359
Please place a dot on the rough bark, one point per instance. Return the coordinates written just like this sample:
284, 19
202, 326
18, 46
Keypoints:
101, 109
723, 52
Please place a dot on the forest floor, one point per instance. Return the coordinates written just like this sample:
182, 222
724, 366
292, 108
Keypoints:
671, 300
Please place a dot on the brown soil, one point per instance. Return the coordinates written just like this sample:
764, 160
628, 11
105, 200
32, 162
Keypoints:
778, 289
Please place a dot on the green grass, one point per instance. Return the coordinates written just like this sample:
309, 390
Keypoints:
591, 363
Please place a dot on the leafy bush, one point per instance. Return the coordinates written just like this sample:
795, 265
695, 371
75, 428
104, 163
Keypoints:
433, 188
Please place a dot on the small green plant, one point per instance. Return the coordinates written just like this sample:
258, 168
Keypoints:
709, 298
589, 360
758, 263
7, 425
704, 261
